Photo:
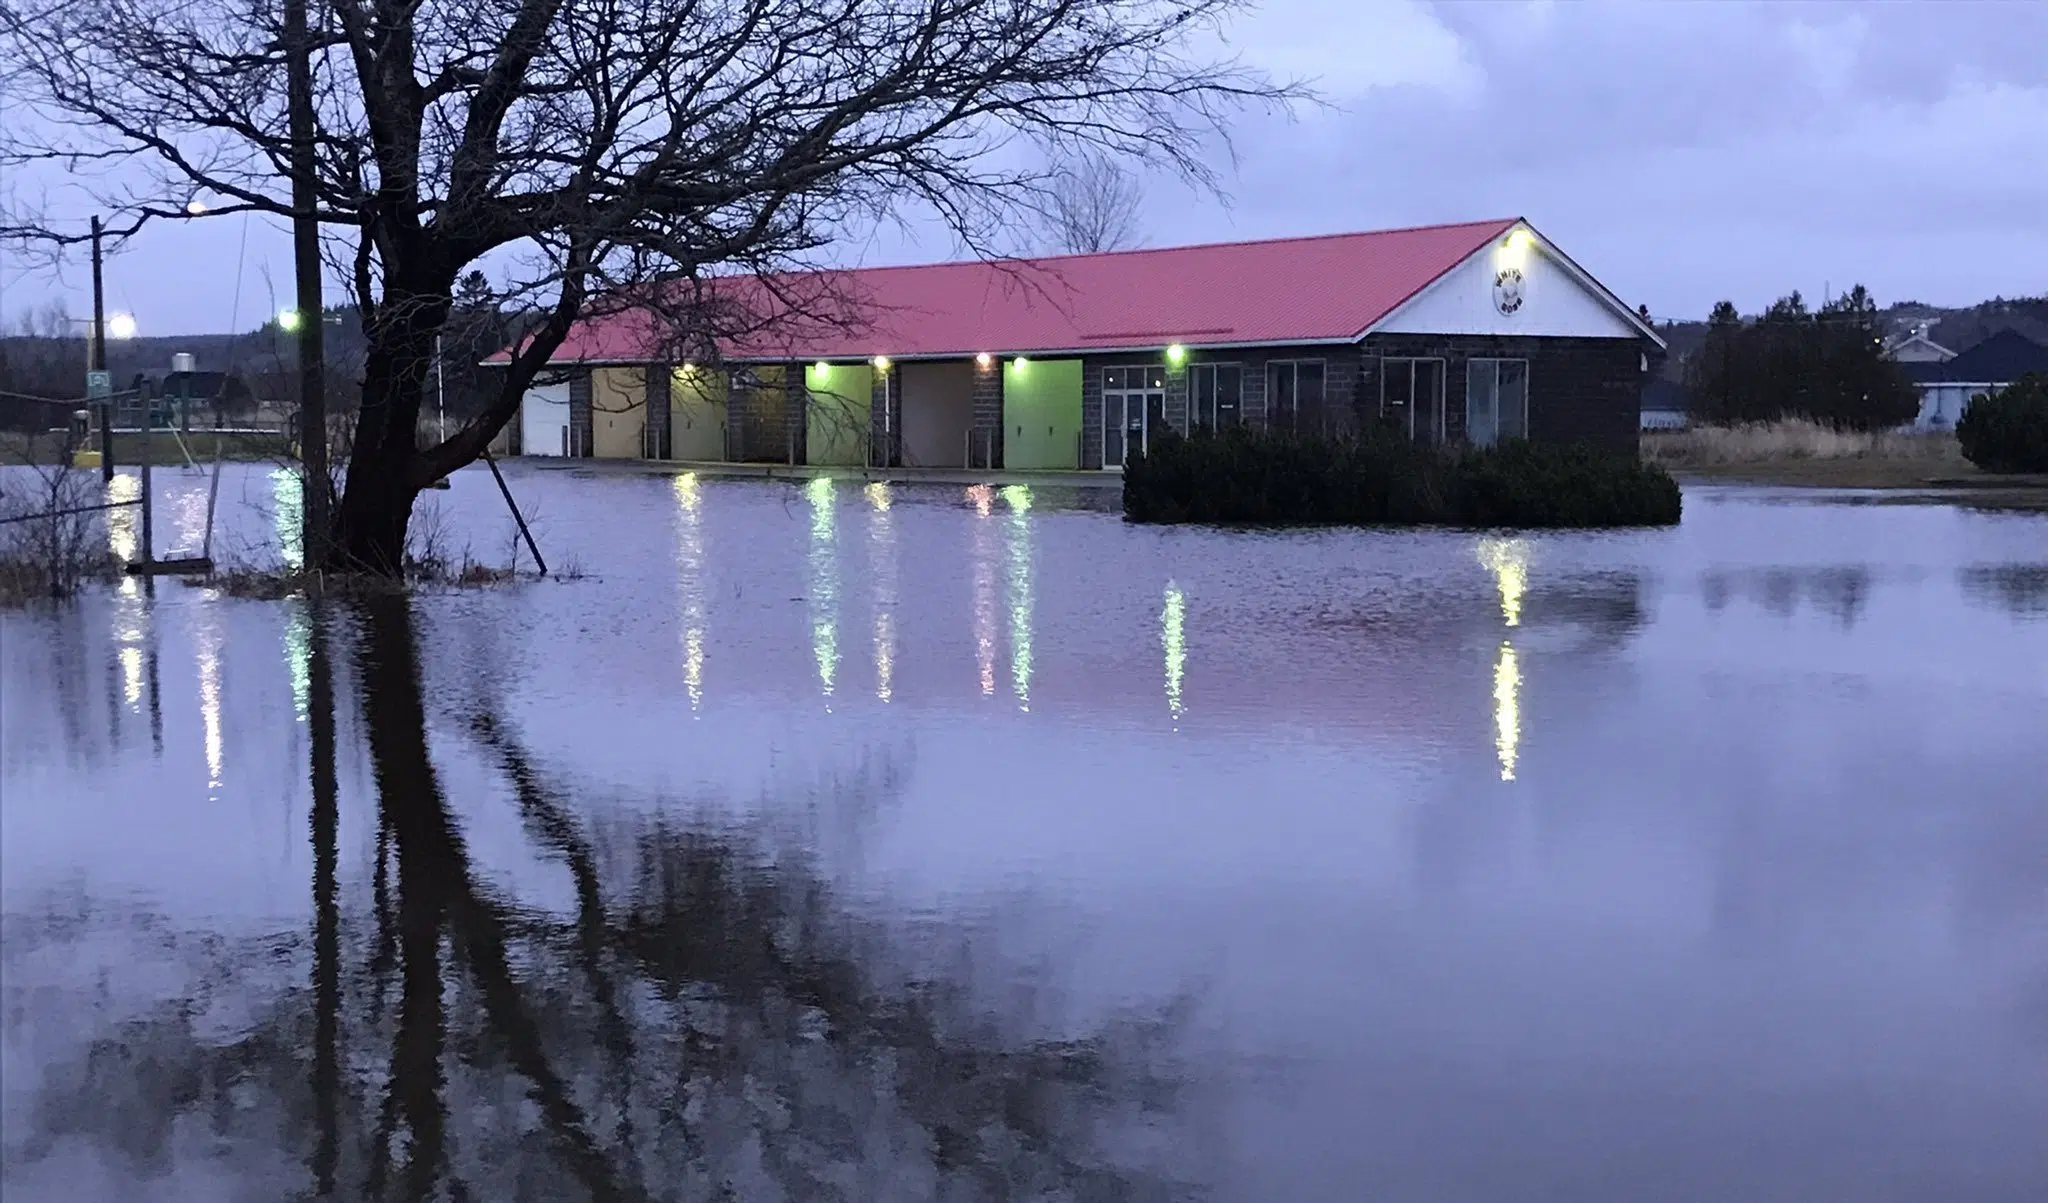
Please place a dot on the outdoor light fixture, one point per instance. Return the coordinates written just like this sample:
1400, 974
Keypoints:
196, 208
120, 325
984, 359
881, 363
1520, 240
821, 367
1020, 363
688, 366
288, 320
1176, 354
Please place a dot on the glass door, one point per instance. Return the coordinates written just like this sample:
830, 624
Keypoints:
1133, 406
1412, 397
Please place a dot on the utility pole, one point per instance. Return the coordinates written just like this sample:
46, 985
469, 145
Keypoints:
306, 266
96, 361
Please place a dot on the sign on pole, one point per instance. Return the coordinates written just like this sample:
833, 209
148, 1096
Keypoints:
99, 385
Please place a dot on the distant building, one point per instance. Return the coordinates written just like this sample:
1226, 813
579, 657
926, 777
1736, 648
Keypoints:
1918, 348
1947, 386
1667, 405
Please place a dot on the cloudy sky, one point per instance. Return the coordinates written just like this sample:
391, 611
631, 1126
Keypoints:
1682, 151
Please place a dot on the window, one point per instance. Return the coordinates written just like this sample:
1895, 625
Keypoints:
1294, 395
1412, 397
1118, 380
1496, 400
1215, 395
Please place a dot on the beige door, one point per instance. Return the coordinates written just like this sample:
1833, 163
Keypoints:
696, 415
618, 413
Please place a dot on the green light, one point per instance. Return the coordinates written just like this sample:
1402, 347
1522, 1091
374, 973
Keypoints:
1176, 354
288, 320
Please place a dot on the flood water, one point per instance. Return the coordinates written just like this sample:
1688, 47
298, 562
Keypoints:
901, 842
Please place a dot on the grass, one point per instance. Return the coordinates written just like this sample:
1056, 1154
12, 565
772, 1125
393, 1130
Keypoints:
1803, 454
1796, 440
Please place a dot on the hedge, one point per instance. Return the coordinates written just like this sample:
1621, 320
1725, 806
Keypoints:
1241, 477
2007, 431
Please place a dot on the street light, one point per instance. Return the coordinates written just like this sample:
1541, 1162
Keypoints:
288, 320
121, 326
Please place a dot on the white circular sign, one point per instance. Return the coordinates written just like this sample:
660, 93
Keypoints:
1507, 289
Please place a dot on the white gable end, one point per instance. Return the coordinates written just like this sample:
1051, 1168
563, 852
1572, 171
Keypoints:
1513, 287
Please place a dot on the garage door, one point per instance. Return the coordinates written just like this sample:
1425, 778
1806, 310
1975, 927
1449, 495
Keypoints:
544, 420
618, 413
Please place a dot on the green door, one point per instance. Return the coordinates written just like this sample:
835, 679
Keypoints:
837, 415
1041, 414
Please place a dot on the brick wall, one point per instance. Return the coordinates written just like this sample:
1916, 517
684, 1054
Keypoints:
579, 413
885, 438
1581, 390
659, 377
765, 414
987, 448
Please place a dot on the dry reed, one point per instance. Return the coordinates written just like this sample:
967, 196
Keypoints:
1793, 439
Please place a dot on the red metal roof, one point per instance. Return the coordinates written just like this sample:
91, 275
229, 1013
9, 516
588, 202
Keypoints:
1324, 289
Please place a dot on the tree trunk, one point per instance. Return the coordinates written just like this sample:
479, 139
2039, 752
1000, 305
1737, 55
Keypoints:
385, 468
376, 509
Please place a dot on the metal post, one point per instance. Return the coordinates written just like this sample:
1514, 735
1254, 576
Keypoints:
212, 495
148, 526
96, 357
306, 266
517, 517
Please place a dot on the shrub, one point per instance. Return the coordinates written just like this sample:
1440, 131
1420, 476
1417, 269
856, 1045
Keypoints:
1244, 477
2007, 431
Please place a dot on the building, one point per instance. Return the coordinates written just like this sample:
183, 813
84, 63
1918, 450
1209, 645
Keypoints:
1454, 334
1947, 387
1918, 348
1667, 404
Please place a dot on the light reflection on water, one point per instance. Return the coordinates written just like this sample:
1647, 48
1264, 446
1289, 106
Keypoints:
207, 642
1173, 639
287, 517
1507, 709
690, 566
1017, 585
882, 568
1508, 560
983, 555
824, 592
1774, 858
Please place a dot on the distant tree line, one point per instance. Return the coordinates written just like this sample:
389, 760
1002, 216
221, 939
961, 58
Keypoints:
1826, 365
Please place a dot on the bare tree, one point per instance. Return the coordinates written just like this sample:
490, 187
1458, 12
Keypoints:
600, 156
1093, 207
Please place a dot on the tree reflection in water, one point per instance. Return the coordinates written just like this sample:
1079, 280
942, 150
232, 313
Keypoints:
709, 1023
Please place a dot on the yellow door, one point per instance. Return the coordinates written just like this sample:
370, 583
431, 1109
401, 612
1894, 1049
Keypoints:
618, 413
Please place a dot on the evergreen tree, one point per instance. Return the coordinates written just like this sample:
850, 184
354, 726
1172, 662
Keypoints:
1827, 366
